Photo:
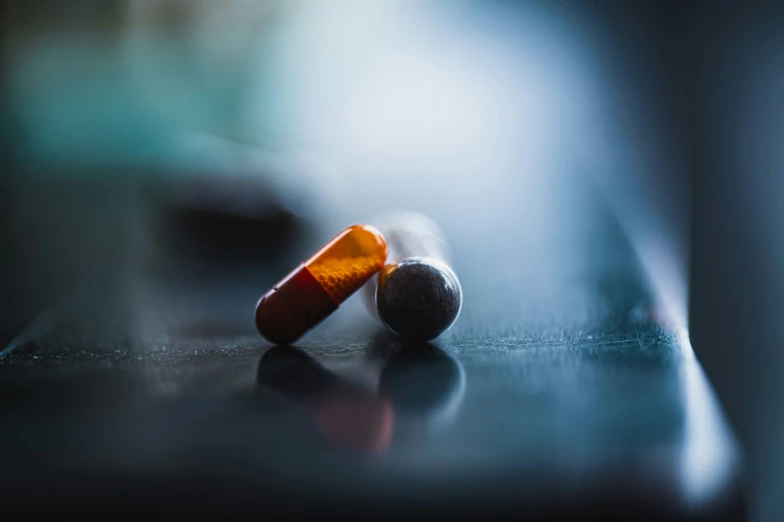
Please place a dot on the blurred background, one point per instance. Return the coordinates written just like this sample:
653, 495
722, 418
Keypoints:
151, 137
166, 160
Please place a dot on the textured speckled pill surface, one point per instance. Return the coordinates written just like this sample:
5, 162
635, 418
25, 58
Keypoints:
418, 298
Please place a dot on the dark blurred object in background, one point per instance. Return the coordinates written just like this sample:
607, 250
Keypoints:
736, 314
198, 230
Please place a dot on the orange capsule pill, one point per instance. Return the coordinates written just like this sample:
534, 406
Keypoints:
316, 287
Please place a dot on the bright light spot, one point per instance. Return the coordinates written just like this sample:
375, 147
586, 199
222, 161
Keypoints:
708, 452
405, 104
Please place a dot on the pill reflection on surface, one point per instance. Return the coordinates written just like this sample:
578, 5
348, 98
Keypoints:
347, 416
315, 289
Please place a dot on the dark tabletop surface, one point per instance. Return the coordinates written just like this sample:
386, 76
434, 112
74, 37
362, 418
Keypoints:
562, 390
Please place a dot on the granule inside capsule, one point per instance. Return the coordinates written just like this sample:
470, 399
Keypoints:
340, 277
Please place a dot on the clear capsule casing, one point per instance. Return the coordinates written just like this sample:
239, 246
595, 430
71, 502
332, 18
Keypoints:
408, 234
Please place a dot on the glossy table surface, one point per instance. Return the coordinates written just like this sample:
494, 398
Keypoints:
562, 390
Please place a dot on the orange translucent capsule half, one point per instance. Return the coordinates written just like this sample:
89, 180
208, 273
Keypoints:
316, 288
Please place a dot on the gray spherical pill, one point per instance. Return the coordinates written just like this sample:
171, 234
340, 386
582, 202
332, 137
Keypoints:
419, 298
